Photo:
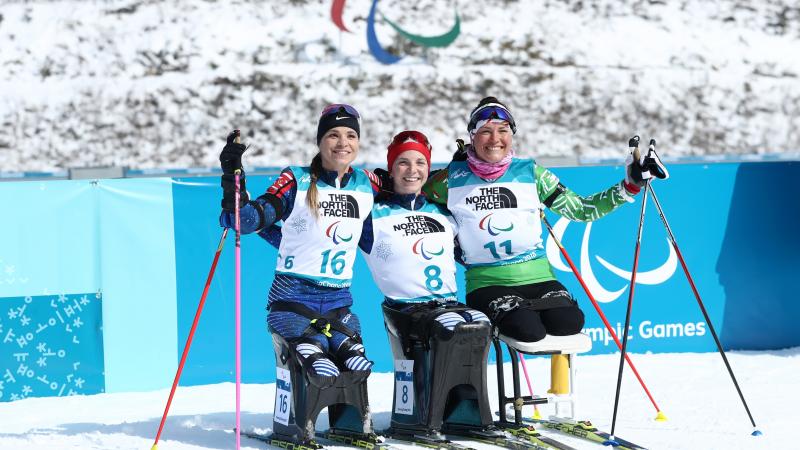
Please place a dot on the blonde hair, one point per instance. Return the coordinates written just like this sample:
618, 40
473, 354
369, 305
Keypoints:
312, 194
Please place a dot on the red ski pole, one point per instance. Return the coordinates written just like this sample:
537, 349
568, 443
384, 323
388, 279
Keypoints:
660, 416
191, 335
756, 431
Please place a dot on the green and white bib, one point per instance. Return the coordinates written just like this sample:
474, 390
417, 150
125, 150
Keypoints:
498, 221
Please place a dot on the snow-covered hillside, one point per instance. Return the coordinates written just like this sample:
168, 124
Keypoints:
150, 84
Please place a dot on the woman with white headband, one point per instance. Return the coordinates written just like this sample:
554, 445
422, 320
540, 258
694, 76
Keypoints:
496, 199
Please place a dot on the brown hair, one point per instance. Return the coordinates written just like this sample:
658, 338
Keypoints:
311, 195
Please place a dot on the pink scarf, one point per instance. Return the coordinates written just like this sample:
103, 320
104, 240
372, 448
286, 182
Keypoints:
486, 170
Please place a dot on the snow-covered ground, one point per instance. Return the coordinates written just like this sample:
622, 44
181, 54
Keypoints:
694, 390
158, 84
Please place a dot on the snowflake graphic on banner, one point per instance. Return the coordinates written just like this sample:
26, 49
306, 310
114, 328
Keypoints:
9, 274
383, 250
51, 346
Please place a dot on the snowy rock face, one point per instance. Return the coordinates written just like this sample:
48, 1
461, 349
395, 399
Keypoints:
158, 84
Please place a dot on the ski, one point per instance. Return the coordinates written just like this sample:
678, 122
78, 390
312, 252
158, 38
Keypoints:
323, 438
584, 430
280, 442
426, 441
530, 434
510, 440
359, 440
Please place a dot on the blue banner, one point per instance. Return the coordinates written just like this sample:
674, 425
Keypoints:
51, 345
147, 245
734, 225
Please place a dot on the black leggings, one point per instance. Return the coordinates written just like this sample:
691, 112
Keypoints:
526, 324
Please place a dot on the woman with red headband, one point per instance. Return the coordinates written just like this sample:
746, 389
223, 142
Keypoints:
496, 200
408, 241
408, 244
323, 207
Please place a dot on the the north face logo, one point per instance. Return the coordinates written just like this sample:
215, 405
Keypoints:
419, 225
339, 205
493, 198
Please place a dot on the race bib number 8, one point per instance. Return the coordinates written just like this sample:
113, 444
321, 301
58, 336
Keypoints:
404, 386
283, 396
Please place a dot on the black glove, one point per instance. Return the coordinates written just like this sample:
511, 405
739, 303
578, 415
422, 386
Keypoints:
461, 152
387, 185
229, 192
231, 160
634, 172
652, 163
231, 157
640, 168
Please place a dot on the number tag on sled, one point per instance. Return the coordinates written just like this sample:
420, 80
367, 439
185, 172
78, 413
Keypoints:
404, 386
283, 396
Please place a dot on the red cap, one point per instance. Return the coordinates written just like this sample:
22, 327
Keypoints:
408, 140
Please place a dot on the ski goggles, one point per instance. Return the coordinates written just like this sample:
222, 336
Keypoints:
411, 135
337, 108
488, 112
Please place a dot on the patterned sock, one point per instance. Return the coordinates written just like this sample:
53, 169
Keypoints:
322, 366
358, 362
475, 316
450, 319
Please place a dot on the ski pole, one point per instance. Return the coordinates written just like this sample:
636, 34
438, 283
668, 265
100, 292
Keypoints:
238, 311
660, 416
536, 414
755, 432
633, 143
191, 335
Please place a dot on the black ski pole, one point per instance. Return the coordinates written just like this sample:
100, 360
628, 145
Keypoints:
755, 432
634, 145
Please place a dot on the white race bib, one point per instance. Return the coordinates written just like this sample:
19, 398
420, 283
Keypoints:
404, 386
283, 396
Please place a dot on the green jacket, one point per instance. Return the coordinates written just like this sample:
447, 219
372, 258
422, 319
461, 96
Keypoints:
559, 199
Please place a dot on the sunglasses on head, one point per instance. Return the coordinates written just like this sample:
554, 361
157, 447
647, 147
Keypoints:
489, 112
340, 108
411, 135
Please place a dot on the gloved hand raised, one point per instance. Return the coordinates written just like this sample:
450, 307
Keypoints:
231, 160
639, 168
387, 185
461, 151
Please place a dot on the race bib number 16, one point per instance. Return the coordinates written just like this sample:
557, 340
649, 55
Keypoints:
283, 396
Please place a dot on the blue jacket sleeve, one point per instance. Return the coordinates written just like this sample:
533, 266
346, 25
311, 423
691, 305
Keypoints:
274, 205
367, 236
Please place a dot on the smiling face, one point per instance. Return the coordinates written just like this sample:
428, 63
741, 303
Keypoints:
338, 148
409, 172
492, 141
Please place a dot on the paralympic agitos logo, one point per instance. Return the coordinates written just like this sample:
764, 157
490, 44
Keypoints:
375, 47
419, 249
333, 233
657, 275
486, 225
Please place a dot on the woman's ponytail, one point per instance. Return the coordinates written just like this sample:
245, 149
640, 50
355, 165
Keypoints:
311, 196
